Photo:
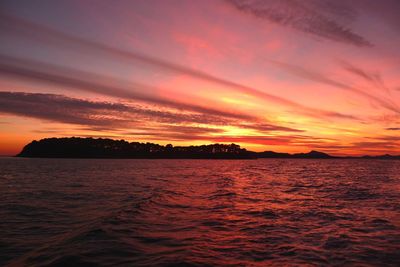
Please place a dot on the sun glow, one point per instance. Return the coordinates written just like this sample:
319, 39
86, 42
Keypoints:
242, 78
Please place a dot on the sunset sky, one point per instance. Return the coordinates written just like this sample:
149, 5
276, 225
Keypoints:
287, 76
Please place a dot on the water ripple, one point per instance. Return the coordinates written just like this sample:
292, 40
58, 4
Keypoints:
275, 212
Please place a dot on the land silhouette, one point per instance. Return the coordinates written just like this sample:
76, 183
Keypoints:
76, 147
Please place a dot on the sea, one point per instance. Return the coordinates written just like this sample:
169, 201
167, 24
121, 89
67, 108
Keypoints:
264, 212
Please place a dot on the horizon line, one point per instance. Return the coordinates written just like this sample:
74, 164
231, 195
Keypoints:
332, 154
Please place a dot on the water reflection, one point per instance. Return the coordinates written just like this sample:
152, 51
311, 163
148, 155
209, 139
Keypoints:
199, 212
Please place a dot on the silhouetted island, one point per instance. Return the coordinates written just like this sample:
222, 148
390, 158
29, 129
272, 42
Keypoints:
76, 147
310, 155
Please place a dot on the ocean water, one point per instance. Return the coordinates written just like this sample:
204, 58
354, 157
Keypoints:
265, 212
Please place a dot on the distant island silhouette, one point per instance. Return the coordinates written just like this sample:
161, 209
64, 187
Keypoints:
77, 147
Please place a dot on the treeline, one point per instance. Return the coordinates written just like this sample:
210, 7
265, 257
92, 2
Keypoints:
76, 147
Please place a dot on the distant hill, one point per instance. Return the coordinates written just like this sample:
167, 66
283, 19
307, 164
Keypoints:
386, 156
310, 155
76, 147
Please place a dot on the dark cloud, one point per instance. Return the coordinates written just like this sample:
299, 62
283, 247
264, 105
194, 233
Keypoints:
182, 133
129, 120
261, 140
169, 136
387, 138
174, 132
375, 147
120, 118
264, 127
38, 70
61, 109
292, 140
49, 130
90, 82
189, 129
313, 17
97, 115
393, 129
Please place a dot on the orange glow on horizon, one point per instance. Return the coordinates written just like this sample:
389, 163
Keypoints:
188, 78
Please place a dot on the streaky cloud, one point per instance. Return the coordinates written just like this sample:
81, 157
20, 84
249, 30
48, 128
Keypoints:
375, 79
306, 16
28, 29
103, 115
86, 81
321, 78
120, 118
60, 109
266, 127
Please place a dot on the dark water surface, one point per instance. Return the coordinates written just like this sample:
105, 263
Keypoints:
71, 212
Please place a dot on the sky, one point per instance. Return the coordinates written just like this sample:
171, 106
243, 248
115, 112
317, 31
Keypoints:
288, 75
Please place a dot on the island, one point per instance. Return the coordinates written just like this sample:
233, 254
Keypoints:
78, 147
